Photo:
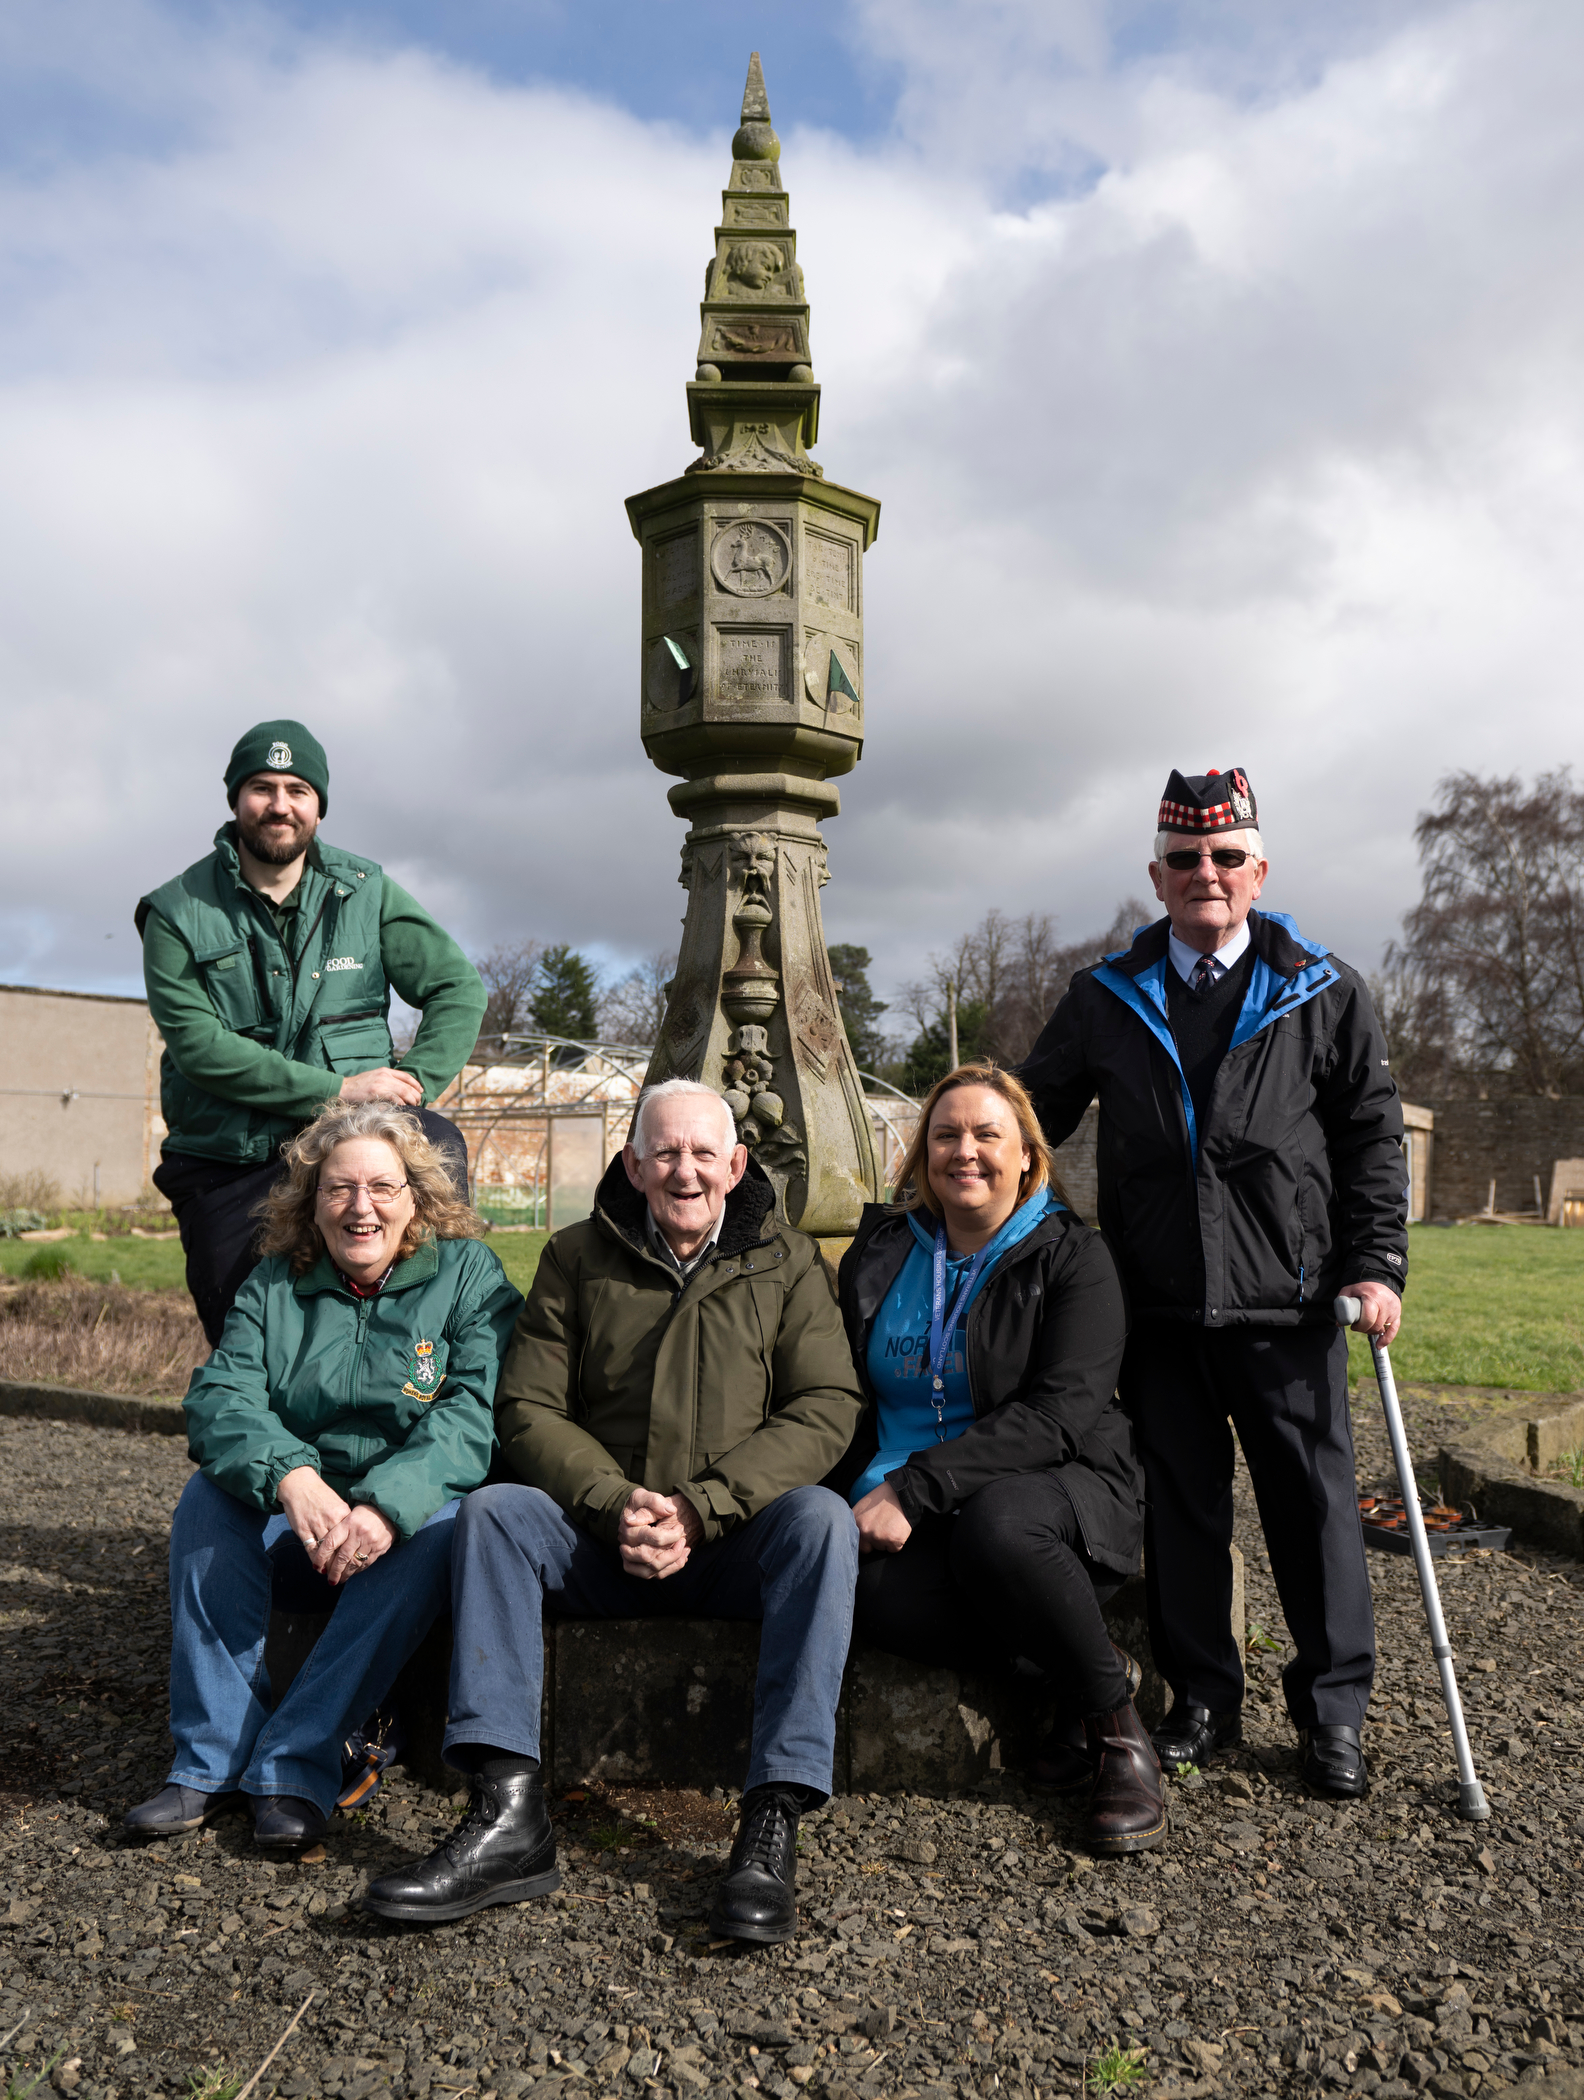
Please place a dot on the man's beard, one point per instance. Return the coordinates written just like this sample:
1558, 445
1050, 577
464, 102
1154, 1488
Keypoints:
275, 844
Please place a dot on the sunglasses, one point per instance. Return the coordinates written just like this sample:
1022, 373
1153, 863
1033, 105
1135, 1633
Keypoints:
1223, 856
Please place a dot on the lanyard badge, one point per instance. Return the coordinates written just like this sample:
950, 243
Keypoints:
940, 1334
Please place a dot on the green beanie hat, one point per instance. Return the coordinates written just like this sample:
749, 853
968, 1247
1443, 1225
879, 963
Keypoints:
279, 747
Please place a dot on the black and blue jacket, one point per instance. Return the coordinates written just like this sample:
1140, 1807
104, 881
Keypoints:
1294, 1185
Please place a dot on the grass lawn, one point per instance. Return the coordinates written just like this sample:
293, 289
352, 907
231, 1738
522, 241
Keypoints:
158, 1265
520, 1251
1486, 1305
1489, 1305
146, 1265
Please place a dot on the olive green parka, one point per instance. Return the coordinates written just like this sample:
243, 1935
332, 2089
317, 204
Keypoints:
730, 1388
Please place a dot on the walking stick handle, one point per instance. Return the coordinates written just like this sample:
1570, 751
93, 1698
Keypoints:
1348, 1311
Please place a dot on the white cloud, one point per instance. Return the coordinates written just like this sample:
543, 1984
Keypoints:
322, 383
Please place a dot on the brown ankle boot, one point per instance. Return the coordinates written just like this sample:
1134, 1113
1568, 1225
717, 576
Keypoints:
1127, 1810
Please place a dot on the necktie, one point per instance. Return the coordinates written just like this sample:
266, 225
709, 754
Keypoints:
1204, 975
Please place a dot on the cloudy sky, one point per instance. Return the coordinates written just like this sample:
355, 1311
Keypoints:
1217, 365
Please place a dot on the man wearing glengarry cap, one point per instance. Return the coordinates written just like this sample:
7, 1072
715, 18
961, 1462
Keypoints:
1250, 1170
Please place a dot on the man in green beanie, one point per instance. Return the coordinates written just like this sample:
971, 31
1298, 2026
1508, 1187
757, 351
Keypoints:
270, 966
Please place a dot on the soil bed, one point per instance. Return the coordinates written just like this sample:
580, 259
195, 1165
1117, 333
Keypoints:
1276, 1944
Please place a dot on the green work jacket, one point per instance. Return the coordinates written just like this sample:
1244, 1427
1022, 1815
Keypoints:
388, 1398
729, 1388
257, 1038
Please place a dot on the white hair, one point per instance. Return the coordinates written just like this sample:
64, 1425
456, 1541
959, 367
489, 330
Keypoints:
1248, 838
669, 1090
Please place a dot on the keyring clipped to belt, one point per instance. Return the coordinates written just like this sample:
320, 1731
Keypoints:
940, 1336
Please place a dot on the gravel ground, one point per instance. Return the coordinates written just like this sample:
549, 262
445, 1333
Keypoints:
1274, 1945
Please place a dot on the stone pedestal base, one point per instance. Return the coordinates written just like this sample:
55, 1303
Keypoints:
669, 1702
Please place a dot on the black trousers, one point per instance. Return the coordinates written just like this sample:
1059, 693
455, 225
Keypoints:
1285, 1389
1006, 1577
216, 1202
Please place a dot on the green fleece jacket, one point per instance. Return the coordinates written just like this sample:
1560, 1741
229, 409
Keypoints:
388, 1398
252, 1046
730, 1388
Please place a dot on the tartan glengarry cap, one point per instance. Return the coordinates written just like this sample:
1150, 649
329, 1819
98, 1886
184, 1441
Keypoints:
1212, 801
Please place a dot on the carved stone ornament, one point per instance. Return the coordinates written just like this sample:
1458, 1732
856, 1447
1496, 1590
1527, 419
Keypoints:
756, 448
754, 266
750, 559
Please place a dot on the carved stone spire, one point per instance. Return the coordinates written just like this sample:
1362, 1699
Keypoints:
752, 691
754, 406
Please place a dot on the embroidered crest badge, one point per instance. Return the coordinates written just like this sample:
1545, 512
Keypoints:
424, 1376
279, 754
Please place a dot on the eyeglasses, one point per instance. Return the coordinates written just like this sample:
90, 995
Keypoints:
338, 1194
1223, 856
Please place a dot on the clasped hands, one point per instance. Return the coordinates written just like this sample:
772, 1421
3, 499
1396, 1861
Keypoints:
342, 1538
656, 1533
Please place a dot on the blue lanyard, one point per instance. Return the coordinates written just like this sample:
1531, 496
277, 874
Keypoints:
940, 1336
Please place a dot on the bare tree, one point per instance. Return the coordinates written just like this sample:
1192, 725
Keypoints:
1494, 950
634, 1008
511, 977
1010, 973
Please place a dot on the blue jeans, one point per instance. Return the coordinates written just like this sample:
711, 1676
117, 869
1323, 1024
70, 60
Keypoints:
515, 1555
221, 1579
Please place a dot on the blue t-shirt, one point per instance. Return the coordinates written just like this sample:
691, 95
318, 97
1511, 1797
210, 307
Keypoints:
898, 1361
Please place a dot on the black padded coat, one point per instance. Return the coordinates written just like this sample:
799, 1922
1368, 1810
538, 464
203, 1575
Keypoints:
1045, 1334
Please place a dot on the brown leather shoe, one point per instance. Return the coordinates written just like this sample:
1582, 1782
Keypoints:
1127, 1810
1063, 1764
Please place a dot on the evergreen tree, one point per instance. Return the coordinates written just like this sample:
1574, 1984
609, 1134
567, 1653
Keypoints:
929, 1055
566, 995
859, 1008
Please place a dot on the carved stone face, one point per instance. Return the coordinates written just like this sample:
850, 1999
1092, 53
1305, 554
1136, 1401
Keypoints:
755, 264
754, 858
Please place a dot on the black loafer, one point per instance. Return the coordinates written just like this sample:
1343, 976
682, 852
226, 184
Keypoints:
1333, 1763
175, 1809
283, 1823
1190, 1734
756, 1898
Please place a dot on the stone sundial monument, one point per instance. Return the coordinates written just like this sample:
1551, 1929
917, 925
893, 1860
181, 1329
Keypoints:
753, 680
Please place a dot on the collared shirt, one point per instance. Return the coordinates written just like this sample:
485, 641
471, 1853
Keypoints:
1185, 960
662, 1246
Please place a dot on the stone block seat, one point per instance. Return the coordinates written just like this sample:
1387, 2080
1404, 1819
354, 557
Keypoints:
669, 1702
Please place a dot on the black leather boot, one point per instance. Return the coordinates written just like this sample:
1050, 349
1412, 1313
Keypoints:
1333, 1762
503, 1852
1127, 1810
1190, 1734
756, 1898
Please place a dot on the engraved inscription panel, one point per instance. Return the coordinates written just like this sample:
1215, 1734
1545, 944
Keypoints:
676, 569
830, 570
750, 559
751, 665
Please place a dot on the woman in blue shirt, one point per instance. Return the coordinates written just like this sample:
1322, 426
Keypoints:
999, 1501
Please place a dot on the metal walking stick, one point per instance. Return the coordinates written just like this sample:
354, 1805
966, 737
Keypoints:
1471, 1795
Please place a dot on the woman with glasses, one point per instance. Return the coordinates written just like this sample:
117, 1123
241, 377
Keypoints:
998, 1500
347, 1408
